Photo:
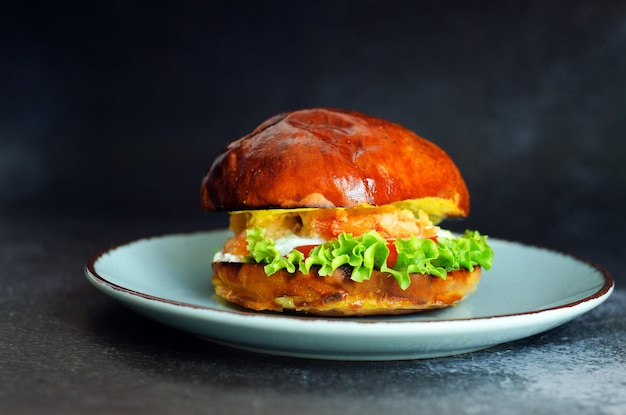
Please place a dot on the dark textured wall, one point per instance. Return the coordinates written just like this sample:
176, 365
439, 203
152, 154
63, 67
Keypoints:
117, 109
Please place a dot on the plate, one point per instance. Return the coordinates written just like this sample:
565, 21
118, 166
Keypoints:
529, 290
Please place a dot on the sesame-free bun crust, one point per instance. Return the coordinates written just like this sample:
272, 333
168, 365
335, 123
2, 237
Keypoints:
328, 158
336, 294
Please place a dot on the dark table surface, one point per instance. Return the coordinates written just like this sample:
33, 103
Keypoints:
111, 113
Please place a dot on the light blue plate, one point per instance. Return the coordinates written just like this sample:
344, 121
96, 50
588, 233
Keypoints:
529, 290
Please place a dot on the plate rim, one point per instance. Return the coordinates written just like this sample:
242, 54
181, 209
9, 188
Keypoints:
90, 270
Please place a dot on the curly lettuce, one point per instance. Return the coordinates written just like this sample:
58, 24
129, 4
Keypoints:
370, 251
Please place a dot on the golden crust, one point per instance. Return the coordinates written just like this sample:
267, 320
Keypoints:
337, 295
325, 158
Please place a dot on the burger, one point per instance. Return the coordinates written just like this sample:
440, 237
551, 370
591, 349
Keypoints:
336, 213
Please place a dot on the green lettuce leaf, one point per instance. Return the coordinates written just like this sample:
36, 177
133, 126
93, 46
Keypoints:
263, 250
369, 252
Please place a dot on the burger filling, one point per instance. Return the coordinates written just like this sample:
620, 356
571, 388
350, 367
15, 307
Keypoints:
392, 239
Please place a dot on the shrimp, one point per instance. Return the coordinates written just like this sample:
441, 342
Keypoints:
389, 223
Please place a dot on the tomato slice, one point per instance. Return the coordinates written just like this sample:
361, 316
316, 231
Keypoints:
393, 253
305, 249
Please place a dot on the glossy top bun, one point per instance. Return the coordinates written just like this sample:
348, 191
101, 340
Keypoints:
326, 158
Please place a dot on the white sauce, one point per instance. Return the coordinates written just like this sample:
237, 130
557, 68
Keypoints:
444, 233
226, 257
284, 246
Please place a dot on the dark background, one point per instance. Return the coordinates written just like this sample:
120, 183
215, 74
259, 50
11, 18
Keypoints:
114, 110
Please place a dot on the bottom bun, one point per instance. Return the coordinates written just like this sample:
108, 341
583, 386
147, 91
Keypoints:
336, 294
